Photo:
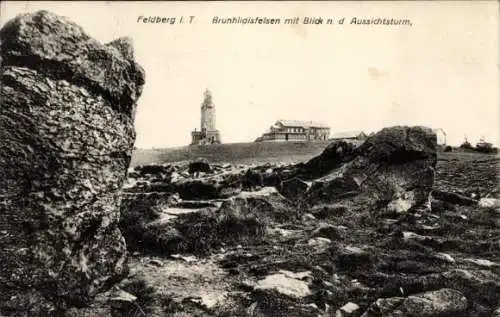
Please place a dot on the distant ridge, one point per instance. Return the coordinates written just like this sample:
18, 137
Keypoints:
234, 153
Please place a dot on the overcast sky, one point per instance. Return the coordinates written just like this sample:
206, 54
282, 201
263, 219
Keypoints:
442, 72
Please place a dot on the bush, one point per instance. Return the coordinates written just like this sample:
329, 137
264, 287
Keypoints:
466, 145
448, 149
197, 232
486, 148
209, 229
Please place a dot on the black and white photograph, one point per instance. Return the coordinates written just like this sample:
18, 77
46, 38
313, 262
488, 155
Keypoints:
249, 158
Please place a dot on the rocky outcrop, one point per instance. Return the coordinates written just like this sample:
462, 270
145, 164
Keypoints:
336, 257
66, 120
333, 156
199, 166
164, 226
294, 188
393, 169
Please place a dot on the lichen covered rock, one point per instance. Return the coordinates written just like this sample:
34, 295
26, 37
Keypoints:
66, 120
443, 302
393, 169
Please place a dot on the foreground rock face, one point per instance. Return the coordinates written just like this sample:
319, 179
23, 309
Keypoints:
66, 120
393, 169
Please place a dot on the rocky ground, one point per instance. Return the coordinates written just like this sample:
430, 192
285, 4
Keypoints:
249, 251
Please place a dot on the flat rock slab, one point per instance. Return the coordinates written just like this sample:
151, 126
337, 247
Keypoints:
285, 284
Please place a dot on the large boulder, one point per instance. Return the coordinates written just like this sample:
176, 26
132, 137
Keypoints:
333, 156
67, 127
393, 169
197, 166
293, 188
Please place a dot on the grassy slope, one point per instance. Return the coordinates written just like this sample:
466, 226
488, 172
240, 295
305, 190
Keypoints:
236, 153
253, 153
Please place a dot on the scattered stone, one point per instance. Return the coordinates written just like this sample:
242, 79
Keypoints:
229, 192
199, 166
347, 309
194, 204
120, 295
489, 202
252, 180
453, 198
435, 303
308, 217
286, 233
250, 311
442, 206
175, 177
294, 189
152, 169
156, 262
273, 179
296, 275
401, 204
319, 243
445, 257
267, 203
328, 231
328, 211
496, 313
352, 258
196, 189
285, 285
188, 258
482, 262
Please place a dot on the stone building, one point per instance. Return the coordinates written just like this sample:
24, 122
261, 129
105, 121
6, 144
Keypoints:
349, 136
208, 133
440, 136
294, 130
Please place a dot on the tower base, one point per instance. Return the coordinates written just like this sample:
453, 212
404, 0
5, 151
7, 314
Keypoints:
205, 137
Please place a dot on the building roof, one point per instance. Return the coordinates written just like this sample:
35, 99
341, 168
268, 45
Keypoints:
439, 130
302, 124
346, 135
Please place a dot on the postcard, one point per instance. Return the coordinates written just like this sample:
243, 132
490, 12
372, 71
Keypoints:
249, 158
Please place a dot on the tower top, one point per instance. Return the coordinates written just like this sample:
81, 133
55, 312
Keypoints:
207, 100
